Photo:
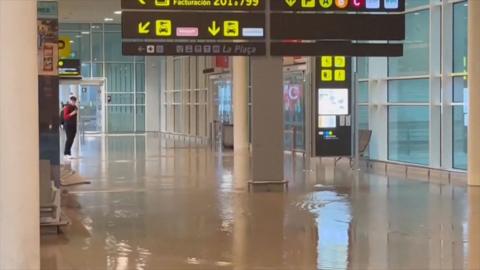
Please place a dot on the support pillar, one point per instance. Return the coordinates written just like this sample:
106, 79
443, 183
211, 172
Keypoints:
240, 103
152, 91
267, 124
19, 131
474, 92
473, 228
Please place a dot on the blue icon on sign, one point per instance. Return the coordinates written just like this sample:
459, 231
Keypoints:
391, 4
372, 4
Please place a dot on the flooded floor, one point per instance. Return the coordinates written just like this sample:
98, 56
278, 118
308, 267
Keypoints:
156, 204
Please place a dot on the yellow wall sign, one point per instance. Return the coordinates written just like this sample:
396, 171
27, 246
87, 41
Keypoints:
231, 28
64, 47
333, 68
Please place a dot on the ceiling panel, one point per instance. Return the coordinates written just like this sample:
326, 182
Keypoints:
88, 10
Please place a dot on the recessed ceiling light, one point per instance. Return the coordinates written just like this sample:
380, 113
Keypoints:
108, 19
118, 12
85, 33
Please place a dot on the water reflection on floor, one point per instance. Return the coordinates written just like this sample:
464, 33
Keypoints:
156, 204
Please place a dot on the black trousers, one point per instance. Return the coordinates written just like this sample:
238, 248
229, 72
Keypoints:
71, 131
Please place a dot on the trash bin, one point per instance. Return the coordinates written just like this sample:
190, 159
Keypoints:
227, 135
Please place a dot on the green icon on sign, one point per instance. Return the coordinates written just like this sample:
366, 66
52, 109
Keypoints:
326, 3
142, 2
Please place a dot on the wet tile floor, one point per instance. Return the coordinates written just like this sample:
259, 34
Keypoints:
158, 204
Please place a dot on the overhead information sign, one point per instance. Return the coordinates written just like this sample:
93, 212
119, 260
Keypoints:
189, 48
247, 5
339, 5
193, 25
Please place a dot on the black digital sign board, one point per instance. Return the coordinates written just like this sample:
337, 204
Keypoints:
193, 25
235, 5
333, 106
310, 26
69, 68
369, 6
188, 48
346, 48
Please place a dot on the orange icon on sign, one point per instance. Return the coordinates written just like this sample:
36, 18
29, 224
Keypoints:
341, 3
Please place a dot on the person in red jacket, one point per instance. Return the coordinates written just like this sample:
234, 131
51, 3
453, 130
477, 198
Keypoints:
70, 113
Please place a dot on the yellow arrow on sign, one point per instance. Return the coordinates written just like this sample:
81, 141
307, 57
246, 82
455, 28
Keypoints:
143, 28
143, 2
290, 3
214, 29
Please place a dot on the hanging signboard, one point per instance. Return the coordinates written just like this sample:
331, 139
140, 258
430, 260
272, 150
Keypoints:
237, 5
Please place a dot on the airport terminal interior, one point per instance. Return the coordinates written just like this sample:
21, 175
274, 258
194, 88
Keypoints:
239, 134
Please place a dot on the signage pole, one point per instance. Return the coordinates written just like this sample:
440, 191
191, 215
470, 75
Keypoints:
355, 88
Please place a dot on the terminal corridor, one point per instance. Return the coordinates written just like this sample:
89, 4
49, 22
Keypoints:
158, 203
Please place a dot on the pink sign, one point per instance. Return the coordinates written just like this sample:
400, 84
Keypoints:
187, 32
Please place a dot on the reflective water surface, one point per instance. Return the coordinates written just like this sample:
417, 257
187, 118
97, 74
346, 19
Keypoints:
158, 204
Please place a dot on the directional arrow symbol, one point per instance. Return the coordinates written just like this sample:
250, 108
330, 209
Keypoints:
214, 29
142, 2
143, 28
290, 3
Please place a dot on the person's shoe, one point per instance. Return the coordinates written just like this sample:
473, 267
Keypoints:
67, 157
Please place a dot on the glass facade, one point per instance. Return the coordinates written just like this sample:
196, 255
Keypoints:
408, 133
460, 88
99, 47
418, 100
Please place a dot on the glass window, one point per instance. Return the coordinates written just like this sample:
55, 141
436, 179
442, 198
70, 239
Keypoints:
408, 134
408, 91
97, 70
113, 28
140, 118
363, 117
362, 67
85, 70
409, 4
140, 99
113, 48
363, 92
460, 123
415, 60
121, 99
140, 77
459, 89
120, 118
97, 27
177, 74
119, 77
460, 35
97, 47
460, 132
